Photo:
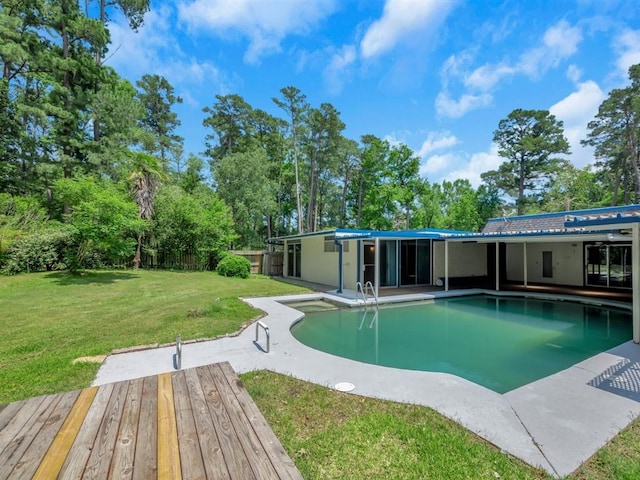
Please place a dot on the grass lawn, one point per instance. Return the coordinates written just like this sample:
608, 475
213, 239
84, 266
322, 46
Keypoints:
50, 319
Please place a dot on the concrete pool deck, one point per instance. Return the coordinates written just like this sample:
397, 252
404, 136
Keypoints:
555, 423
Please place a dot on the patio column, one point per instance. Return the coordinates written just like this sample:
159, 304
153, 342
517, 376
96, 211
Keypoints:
376, 277
635, 272
446, 266
524, 254
340, 274
497, 266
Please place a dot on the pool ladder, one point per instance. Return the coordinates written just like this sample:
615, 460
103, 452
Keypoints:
364, 290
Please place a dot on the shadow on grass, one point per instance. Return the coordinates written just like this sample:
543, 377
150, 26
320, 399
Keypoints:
88, 278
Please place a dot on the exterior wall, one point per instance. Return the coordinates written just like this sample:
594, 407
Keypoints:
350, 265
567, 263
318, 266
465, 259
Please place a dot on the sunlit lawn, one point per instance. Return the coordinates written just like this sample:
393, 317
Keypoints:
50, 319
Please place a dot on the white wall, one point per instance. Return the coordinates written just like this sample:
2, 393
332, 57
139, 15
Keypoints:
567, 263
465, 259
350, 265
318, 266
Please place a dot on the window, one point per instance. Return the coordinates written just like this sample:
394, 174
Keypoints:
330, 245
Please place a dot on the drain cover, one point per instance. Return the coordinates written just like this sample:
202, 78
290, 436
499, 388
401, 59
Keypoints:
344, 386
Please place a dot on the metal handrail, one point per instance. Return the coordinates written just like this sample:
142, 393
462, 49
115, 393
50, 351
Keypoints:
373, 292
177, 357
360, 288
266, 331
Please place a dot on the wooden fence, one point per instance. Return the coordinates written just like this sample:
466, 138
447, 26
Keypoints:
262, 261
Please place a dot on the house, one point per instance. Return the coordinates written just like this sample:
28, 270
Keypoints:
595, 249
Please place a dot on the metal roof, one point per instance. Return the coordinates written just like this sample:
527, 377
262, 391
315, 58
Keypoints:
557, 224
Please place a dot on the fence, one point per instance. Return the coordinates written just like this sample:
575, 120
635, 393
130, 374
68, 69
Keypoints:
267, 263
273, 263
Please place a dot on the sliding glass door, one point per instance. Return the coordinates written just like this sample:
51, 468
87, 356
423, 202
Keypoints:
415, 262
608, 265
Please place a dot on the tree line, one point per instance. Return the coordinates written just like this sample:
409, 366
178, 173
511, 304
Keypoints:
92, 171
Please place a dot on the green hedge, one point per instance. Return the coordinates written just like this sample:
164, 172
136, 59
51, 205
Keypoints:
234, 266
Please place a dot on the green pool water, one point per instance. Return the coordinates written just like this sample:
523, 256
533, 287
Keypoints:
500, 343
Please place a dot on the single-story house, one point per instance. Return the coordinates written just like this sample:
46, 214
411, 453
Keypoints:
596, 249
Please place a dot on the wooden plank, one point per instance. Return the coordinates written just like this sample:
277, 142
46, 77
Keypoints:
280, 459
168, 452
97, 466
190, 453
13, 452
8, 413
78, 456
145, 462
212, 457
248, 438
230, 445
20, 417
36, 452
124, 450
57, 453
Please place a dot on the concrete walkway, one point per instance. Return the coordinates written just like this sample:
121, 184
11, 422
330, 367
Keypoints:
555, 423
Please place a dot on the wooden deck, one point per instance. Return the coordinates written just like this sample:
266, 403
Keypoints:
198, 423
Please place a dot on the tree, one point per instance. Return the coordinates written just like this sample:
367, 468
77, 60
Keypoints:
403, 179
242, 182
324, 136
119, 130
134, 11
528, 139
159, 122
199, 222
103, 219
371, 202
146, 176
575, 189
294, 105
615, 134
230, 120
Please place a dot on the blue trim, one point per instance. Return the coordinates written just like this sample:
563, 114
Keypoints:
590, 211
619, 219
358, 246
340, 278
540, 233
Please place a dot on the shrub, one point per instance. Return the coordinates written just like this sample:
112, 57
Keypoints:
234, 266
37, 252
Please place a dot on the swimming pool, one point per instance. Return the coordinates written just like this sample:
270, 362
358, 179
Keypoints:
501, 343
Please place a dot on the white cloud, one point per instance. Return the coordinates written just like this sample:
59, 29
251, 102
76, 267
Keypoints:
437, 163
480, 162
559, 42
155, 50
402, 19
627, 46
576, 111
336, 74
486, 77
265, 23
436, 141
574, 73
449, 107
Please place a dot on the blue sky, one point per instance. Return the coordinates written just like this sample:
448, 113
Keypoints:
436, 75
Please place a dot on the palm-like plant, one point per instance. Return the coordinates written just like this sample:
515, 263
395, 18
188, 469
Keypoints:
146, 175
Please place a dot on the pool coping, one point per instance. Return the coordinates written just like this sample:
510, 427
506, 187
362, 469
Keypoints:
555, 423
